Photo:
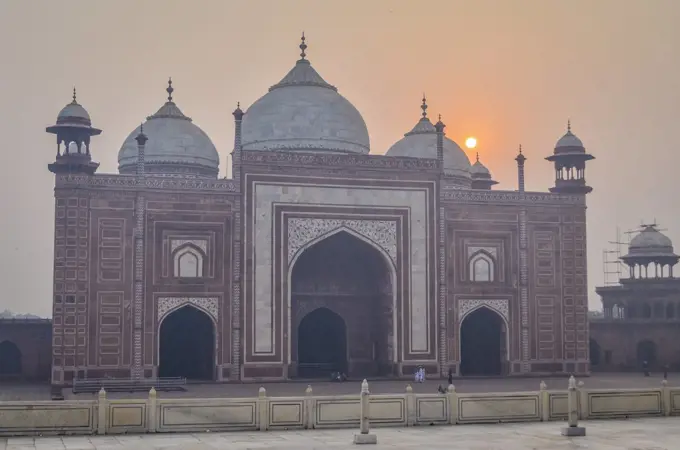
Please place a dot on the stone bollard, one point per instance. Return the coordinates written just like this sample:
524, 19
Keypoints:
545, 401
410, 406
452, 399
262, 409
572, 419
102, 410
666, 396
151, 410
364, 437
309, 408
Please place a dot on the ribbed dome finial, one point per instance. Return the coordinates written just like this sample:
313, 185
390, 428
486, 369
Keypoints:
568, 125
477, 156
74, 102
170, 89
303, 47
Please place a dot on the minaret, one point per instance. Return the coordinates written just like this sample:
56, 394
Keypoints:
570, 159
141, 145
73, 127
520, 169
439, 126
140, 214
236, 153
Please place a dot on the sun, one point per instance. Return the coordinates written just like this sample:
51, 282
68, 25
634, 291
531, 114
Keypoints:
471, 142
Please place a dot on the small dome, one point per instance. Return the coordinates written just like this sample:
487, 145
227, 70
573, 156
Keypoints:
650, 243
421, 142
304, 113
175, 145
569, 142
74, 114
479, 170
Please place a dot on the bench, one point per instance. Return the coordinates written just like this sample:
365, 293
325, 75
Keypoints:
94, 385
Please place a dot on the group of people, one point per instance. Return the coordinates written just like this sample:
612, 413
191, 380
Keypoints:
419, 375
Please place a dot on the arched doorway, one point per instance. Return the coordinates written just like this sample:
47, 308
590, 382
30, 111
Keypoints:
187, 345
10, 359
482, 343
344, 282
595, 353
646, 351
322, 344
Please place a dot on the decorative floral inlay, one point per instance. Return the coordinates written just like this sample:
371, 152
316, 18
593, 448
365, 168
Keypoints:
167, 304
498, 305
303, 230
198, 243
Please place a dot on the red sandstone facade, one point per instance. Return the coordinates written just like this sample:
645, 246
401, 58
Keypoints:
315, 255
25, 350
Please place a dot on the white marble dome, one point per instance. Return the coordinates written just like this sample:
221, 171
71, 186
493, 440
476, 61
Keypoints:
175, 145
421, 142
569, 140
650, 242
74, 114
479, 170
304, 113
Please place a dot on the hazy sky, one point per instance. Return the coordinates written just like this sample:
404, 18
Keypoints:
506, 71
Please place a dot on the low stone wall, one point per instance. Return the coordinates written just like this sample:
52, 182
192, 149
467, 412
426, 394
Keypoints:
154, 415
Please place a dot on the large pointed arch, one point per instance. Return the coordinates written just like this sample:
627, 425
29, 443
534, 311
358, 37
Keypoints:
212, 330
502, 322
389, 265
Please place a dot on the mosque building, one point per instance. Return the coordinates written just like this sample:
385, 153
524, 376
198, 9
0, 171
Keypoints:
316, 255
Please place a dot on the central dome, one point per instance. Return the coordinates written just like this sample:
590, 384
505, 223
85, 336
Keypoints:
304, 113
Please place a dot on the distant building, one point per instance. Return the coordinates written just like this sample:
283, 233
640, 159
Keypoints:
641, 315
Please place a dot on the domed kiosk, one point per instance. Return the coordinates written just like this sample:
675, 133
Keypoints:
421, 142
303, 112
176, 146
650, 247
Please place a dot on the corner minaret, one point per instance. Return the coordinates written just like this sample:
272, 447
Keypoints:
73, 127
570, 159
439, 126
520, 169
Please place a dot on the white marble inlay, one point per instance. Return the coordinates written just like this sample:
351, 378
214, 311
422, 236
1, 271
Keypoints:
301, 231
416, 200
501, 306
165, 305
199, 243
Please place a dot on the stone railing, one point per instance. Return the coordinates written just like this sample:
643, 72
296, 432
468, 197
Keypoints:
156, 415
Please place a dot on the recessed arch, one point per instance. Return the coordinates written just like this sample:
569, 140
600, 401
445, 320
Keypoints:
481, 267
10, 359
483, 341
322, 343
187, 343
188, 261
341, 229
390, 277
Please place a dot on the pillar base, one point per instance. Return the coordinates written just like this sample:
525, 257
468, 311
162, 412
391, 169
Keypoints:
360, 439
573, 431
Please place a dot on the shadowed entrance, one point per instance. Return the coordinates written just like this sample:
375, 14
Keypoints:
322, 344
10, 359
187, 345
482, 343
341, 304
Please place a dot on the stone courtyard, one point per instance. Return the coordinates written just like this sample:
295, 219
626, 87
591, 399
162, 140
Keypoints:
637, 434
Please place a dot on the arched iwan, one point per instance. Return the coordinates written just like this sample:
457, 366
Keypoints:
391, 267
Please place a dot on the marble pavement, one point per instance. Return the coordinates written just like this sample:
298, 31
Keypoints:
634, 434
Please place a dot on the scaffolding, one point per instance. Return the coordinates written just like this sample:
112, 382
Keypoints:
613, 267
